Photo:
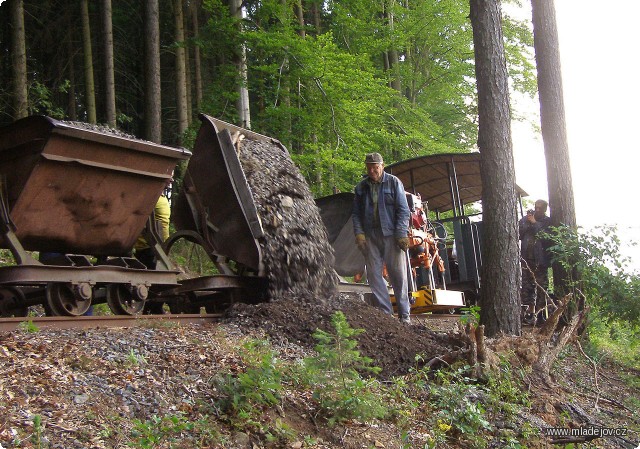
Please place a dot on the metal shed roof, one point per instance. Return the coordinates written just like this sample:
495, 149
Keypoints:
436, 176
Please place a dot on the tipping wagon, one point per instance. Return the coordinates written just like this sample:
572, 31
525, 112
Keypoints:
80, 192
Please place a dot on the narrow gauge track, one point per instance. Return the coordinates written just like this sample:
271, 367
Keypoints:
87, 322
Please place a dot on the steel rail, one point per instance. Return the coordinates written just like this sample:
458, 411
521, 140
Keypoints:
92, 322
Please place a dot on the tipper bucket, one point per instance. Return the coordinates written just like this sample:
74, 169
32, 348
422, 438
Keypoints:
216, 201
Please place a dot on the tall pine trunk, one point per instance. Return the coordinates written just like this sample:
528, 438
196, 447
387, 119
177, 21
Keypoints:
392, 57
242, 103
71, 94
500, 300
300, 17
19, 61
152, 94
554, 132
109, 78
90, 89
181, 74
197, 64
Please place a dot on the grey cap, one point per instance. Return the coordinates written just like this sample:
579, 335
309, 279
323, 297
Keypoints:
373, 158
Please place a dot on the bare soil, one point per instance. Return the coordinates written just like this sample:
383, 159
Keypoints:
93, 388
392, 344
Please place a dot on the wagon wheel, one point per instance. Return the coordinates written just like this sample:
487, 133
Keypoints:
223, 301
65, 299
10, 298
184, 304
122, 301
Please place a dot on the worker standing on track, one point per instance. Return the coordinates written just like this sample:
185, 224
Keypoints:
145, 254
143, 251
380, 222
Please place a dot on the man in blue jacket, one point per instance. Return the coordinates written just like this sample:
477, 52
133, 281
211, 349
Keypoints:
381, 223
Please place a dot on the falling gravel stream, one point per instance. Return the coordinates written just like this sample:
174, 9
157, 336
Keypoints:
296, 252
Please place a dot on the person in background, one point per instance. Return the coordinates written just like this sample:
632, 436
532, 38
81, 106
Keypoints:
535, 260
145, 254
142, 251
381, 222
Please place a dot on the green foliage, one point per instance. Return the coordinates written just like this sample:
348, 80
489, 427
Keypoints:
192, 258
518, 42
159, 431
461, 408
36, 437
598, 271
602, 275
245, 394
335, 375
456, 399
617, 339
470, 314
28, 326
134, 359
505, 392
327, 95
41, 101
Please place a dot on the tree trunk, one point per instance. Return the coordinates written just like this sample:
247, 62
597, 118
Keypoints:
188, 84
317, 17
392, 54
90, 90
19, 61
110, 85
152, 96
181, 74
500, 302
300, 18
197, 66
71, 94
242, 103
554, 132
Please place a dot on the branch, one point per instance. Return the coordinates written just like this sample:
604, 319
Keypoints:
595, 373
547, 299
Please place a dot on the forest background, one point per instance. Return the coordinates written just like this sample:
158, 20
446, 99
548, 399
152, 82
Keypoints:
331, 80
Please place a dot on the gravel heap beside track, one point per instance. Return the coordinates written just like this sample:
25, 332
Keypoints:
296, 252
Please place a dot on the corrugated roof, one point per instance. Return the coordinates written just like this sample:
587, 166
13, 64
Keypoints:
431, 176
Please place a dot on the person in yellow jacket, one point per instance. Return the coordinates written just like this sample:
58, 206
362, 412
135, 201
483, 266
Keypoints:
142, 251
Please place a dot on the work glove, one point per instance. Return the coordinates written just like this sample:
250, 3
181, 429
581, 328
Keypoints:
361, 242
403, 243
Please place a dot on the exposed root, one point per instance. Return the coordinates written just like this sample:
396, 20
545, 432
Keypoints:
550, 343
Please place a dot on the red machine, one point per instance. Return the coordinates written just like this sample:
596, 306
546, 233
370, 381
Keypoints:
426, 279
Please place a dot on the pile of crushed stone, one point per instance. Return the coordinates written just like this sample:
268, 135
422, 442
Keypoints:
297, 256
393, 346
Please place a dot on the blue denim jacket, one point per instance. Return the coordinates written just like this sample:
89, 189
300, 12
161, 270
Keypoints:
392, 207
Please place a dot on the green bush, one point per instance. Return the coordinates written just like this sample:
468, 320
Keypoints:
597, 270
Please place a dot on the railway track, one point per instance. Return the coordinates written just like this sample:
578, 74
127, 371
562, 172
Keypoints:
87, 322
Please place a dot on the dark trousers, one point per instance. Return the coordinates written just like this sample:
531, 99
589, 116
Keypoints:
535, 283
